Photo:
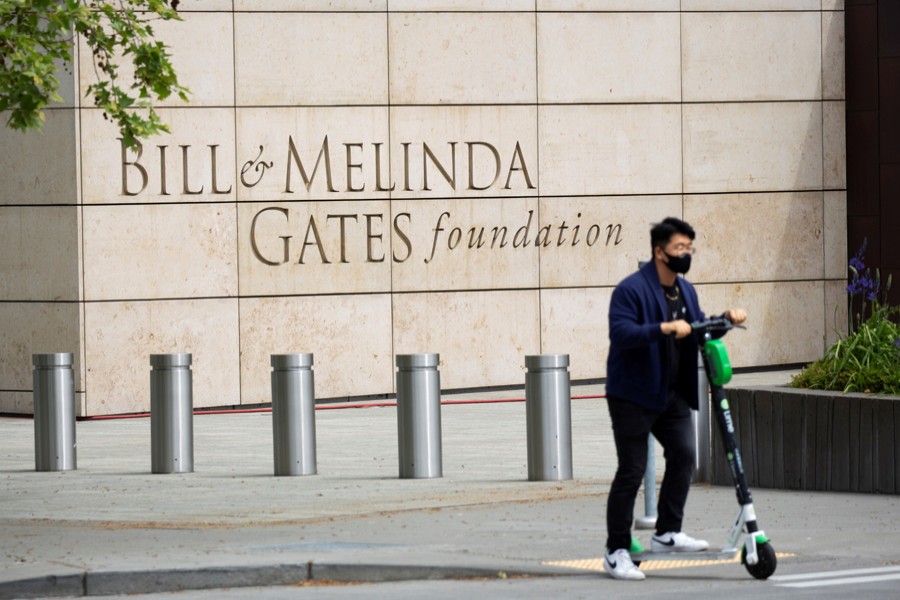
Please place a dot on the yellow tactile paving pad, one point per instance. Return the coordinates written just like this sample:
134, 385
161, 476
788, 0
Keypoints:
596, 564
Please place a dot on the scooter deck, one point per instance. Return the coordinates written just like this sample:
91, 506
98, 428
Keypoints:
712, 554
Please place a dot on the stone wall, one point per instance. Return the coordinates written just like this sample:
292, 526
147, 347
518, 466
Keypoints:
363, 178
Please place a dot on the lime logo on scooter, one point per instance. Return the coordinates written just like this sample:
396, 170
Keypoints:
726, 414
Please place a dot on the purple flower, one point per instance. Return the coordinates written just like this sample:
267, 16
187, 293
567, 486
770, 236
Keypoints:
897, 343
872, 293
862, 282
857, 266
857, 261
863, 285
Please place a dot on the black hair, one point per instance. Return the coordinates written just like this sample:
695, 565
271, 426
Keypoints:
661, 233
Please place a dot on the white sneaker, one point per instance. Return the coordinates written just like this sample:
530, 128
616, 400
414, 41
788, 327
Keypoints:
676, 541
619, 566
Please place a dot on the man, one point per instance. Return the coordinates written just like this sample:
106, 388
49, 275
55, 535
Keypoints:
651, 387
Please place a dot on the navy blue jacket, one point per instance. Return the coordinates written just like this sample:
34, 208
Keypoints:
637, 368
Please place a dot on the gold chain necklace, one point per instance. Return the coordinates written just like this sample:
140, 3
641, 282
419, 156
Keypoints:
674, 296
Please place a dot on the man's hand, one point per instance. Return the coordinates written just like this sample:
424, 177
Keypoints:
680, 328
736, 315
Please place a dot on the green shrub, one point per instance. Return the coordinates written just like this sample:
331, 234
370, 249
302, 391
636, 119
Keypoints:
868, 359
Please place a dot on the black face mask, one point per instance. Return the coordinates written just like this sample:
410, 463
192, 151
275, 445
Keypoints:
678, 264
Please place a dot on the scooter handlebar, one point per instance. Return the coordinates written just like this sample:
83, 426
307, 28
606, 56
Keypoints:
720, 323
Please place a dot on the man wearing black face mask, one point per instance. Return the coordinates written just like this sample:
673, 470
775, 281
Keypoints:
651, 387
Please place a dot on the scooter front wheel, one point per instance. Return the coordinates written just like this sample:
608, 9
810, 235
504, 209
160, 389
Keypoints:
767, 564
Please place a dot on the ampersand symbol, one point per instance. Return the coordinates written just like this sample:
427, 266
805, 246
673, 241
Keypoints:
260, 168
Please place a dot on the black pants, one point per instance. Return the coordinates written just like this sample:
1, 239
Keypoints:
674, 430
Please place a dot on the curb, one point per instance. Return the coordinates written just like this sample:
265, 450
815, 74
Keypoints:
109, 583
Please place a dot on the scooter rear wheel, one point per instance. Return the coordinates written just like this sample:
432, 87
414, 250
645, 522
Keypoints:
767, 561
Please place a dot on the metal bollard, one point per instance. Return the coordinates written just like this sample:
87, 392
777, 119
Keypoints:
548, 415
54, 412
171, 414
701, 447
648, 521
293, 414
702, 426
419, 416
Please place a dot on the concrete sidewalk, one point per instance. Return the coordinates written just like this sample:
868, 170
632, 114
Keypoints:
112, 527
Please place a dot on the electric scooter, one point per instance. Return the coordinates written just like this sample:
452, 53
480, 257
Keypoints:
757, 554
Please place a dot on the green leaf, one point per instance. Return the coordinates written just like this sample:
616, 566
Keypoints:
37, 38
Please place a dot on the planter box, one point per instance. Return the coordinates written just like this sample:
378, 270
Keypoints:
799, 439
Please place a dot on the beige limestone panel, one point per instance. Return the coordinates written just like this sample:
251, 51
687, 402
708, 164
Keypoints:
756, 237
67, 74
205, 5
640, 57
17, 403
763, 146
613, 235
310, 58
22, 403
40, 167
316, 248
121, 336
461, 5
833, 50
201, 46
576, 322
484, 151
324, 153
785, 323
39, 253
462, 58
465, 244
349, 337
608, 5
482, 337
834, 144
742, 5
616, 149
159, 251
310, 5
36, 328
751, 56
836, 321
835, 235
832, 4
199, 163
